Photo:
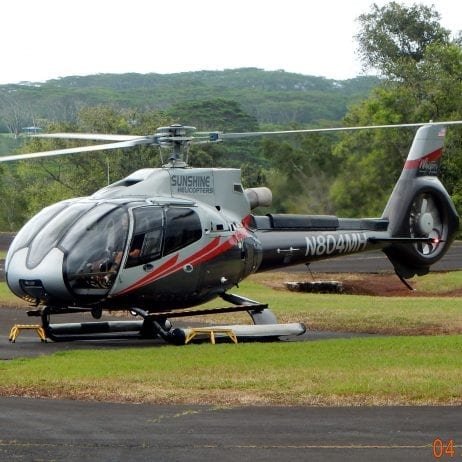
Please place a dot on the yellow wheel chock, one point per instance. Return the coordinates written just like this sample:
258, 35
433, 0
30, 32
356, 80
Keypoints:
211, 331
17, 328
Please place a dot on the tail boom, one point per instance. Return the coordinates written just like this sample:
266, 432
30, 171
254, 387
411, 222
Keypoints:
295, 239
417, 226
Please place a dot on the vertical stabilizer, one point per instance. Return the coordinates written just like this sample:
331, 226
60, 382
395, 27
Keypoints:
420, 207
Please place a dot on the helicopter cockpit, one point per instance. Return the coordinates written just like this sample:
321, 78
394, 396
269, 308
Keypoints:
82, 244
94, 247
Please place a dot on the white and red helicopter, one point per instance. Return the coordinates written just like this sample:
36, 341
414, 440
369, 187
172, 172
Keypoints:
164, 240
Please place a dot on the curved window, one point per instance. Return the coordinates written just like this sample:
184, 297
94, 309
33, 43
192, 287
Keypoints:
147, 236
54, 229
95, 247
183, 227
35, 224
158, 232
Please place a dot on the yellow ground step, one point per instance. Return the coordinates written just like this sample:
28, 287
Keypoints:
210, 331
17, 328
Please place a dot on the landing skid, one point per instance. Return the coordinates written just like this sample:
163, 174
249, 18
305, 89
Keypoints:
152, 325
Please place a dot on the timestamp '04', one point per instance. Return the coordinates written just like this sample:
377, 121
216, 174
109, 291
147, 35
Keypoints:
443, 448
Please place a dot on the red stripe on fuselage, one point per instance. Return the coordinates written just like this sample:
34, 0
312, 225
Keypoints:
211, 250
156, 273
431, 157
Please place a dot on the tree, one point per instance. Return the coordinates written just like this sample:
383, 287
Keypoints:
217, 114
422, 80
372, 160
14, 114
394, 37
301, 172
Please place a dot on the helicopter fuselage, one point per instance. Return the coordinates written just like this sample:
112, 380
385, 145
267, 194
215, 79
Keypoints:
162, 254
171, 238
166, 239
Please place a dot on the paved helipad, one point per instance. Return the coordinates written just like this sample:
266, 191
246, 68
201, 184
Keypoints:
46, 430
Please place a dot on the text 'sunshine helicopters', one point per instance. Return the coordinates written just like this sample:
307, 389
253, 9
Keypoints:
164, 240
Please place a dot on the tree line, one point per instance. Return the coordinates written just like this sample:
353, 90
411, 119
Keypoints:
272, 97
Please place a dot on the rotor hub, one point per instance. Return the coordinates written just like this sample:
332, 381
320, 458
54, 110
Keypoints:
178, 139
425, 223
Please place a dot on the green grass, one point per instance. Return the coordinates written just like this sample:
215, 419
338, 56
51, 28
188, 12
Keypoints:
412, 315
391, 315
440, 282
359, 371
7, 298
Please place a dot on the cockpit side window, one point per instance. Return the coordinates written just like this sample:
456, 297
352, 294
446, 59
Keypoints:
147, 239
94, 248
183, 227
158, 232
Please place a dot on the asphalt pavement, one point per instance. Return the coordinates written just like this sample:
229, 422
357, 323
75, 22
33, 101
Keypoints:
51, 430
28, 343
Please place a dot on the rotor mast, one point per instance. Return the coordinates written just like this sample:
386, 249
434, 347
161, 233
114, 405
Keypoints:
178, 139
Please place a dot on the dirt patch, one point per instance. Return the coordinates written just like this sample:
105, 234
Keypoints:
381, 284
384, 285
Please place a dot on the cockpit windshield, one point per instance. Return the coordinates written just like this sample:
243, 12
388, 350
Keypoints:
34, 226
53, 230
94, 248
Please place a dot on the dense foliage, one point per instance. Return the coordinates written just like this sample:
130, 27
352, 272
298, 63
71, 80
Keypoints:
233, 100
422, 80
274, 97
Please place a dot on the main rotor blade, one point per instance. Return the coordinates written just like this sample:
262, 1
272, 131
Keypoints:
87, 136
335, 129
97, 147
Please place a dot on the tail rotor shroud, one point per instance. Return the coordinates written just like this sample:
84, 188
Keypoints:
426, 220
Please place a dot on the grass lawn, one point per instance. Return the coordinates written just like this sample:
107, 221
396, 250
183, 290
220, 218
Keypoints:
378, 370
359, 371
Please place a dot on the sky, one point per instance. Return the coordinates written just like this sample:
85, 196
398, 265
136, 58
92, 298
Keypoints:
46, 39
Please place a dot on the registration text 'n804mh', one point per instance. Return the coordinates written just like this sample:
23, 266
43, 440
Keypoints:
328, 244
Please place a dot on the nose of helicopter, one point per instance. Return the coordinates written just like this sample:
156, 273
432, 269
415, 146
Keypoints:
44, 282
68, 253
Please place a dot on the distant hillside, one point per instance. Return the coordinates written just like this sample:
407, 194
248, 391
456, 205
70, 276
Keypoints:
272, 97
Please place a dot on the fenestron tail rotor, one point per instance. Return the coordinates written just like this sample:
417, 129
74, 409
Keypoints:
425, 220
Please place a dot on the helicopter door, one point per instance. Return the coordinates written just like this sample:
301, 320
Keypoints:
252, 254
160, 233
94, 249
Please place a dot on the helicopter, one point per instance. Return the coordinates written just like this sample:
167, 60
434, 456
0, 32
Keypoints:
162, 241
